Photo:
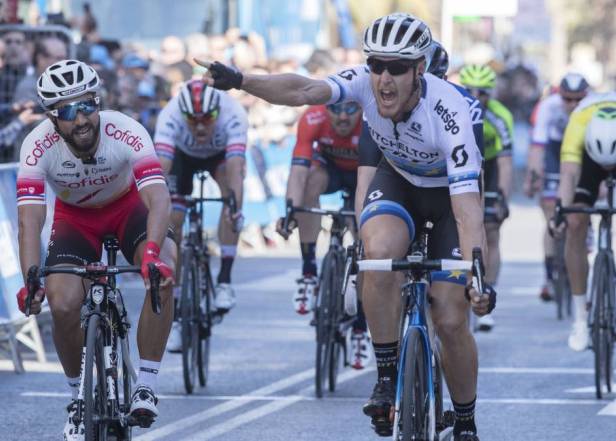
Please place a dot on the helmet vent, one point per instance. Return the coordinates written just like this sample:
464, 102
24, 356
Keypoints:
79, 74
68, 77
57, 81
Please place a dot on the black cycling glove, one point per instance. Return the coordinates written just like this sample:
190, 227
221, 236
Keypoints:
225, 77
487, 290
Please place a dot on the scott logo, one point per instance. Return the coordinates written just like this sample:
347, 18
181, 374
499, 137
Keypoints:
459, 156
41, 146
125, 136
448, 118
68, 164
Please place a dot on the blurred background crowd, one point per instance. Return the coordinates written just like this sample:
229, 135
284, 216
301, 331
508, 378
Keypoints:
144, 49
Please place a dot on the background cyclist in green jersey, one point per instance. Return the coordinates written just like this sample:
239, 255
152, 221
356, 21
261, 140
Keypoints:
498, 169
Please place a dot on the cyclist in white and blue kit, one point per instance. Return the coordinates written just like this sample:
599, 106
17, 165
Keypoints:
430, 170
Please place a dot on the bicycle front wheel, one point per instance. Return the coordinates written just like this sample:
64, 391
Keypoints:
602, 291
337, 340
95, 382
206, 325
415, 406
190, 324
324, 322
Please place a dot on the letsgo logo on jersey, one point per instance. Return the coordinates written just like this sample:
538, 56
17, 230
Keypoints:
450, 124
125, 136
41, 146
88, 181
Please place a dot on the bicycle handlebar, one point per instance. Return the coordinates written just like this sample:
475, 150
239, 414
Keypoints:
290, 209
411, 264
230, 201
92, 272
418, 263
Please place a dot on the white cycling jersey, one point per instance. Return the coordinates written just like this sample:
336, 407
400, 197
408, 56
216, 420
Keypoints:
172, 131
551, 121
435, 145
125, 156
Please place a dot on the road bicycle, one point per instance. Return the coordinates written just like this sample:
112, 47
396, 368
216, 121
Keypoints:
332, 324
198, 314
601, 317
419, 412
106, 372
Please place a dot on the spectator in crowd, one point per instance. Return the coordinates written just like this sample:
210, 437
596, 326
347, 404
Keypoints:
173, 58
47, 51
9, 133
15, 64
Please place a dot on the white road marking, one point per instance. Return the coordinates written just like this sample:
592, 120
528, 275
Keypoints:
34, 366
228, 406
609, 410
543, 370
260, 412
587, 390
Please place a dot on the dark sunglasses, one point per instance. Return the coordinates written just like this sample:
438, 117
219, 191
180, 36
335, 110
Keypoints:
203, 118
478, 92
348, 108
68, 112
395, 67
572, 99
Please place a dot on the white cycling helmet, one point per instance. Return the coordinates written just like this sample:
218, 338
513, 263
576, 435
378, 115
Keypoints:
398, 35
66, 79
196, 98
601, 137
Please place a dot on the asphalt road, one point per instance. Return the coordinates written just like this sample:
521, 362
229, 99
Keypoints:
531, 386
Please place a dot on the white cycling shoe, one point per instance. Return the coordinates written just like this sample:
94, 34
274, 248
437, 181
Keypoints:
143, 406
72, 431
174, 342
579, 337
304, 298
225, 297
361, 349
485, 323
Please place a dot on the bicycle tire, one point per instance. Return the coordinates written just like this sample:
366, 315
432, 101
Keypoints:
126, 387
415, 399
599, 336
206, 326
95, 397
323, 327
190, 330
560, 281
438, 392
336, 305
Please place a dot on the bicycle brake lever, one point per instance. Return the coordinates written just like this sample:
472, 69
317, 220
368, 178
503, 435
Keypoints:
154, 274
478, 271
33, 285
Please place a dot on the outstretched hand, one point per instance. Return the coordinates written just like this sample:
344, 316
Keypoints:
220, 75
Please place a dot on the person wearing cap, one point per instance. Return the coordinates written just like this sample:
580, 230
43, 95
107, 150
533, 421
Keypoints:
107, 179
543, 173
423, 128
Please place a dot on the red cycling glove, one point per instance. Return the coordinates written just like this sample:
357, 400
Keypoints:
21, 297
150, 255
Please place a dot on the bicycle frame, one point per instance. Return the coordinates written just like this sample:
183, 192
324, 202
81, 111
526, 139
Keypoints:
416, 313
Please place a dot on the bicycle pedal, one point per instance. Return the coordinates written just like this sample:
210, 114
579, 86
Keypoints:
449, 418
143, 421
382, 426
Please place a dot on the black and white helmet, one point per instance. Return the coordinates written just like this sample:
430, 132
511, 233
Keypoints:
66, 79
600, 139
574, 83
398, 35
